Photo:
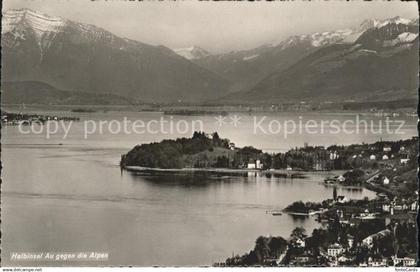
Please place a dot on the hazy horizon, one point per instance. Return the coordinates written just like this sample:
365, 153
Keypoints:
217, 27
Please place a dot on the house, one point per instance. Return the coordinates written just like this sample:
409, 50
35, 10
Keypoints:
342, 199
385, 181
387, 149
385, 157
333, 263
367, 216
398, 207
343, 259
386, 207
298, 242
406, 261
341, 178
404, 161
377, 262
372, 157
302, 259
251, 166
334, 155
335, 250
350, 240
414, 206
255, 164
368, 241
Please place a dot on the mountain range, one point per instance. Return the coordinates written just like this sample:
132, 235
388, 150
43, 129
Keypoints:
80, 57
375, 60
381, 64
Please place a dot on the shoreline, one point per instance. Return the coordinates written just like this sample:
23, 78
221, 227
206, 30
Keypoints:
305, 214
291, 173
212, 109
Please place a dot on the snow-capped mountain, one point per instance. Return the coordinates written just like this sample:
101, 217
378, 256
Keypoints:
69, 55
389, 33
41, 24
375, 23
73, 56
349, 35
42, 27
317, 39
246, 68
191, 53
24, 23
381, 64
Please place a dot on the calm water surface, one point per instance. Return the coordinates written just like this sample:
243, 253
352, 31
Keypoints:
73, 197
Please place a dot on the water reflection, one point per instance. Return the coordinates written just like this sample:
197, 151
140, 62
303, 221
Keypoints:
298, 218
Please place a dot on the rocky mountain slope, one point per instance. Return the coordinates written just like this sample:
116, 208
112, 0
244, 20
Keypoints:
375, 60
382, 63
246, 68
191, 53
74, 56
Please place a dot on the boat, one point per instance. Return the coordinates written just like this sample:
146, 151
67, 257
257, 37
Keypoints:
276, 213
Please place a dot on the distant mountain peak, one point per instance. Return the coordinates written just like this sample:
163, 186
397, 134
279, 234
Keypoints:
375, 23
349, 35
415, 21
192, 52
39, 22
316, 39
71, 55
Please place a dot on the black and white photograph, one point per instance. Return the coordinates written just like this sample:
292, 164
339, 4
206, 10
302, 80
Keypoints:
209, 134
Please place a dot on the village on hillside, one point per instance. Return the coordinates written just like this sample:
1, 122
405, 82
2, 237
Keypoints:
366, 233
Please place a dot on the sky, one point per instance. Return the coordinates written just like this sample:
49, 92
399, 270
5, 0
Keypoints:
217, 26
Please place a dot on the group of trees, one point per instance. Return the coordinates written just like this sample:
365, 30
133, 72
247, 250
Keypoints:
405, 235
300, 207
266, 250
354, 177
199, 151
177, 154
172, 153
401, 240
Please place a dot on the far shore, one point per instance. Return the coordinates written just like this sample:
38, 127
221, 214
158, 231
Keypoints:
288, 173
312, 213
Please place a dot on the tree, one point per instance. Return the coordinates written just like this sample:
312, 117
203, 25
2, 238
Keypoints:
277, 245
216, 139
298, 233
261, 249
222, 161
385, 246
335, 193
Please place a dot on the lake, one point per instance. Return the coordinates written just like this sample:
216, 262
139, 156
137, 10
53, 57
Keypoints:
69, 195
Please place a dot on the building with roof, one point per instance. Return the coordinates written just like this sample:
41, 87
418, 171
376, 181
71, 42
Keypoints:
335, 250
368, 241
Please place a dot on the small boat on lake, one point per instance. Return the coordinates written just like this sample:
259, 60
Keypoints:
275, 213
